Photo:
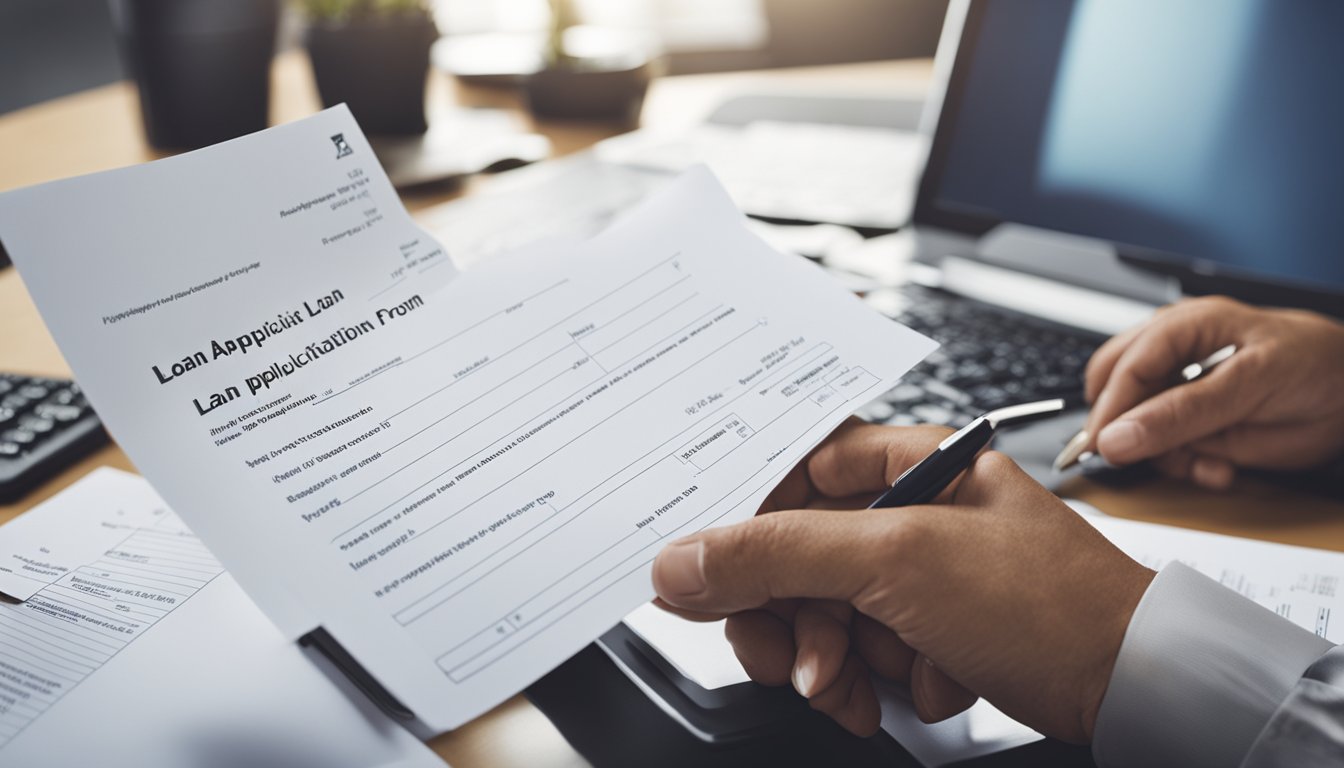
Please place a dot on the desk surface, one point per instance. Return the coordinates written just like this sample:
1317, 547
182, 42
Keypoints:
100, 129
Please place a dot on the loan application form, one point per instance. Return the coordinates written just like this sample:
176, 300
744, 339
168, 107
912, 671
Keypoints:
461, 477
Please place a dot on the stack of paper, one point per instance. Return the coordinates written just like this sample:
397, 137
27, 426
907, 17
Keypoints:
132, 648
462, 478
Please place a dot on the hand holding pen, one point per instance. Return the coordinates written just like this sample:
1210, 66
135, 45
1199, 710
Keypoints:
1276, 403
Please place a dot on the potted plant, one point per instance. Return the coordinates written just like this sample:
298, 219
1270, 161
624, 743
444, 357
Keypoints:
373, 55
608, 87
203, 67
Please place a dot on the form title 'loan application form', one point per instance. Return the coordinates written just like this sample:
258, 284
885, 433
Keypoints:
462, 477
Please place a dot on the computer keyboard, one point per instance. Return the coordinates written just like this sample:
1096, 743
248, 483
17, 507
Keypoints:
45, 424
988, 358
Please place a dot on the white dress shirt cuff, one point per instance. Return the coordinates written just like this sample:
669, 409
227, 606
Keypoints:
1200, 672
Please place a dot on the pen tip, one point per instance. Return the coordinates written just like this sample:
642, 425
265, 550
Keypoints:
1075, 447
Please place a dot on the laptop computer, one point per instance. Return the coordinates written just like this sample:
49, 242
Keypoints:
1091, 160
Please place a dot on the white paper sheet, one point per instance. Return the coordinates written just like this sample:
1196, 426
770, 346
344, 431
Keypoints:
142, 653
1300, 584
465, 485
840, 174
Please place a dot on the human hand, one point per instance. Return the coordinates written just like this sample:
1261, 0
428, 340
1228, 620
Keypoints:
1002, 592
1278, 403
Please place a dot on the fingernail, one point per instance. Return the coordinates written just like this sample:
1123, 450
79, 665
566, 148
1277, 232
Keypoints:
1120, 439
679, 570
1093, 463
805, 676
1212, 473
1072, 450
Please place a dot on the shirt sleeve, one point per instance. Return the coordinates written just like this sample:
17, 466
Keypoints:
1307, 731
1200, 672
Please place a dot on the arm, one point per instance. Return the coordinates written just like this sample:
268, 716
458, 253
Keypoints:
1307, 730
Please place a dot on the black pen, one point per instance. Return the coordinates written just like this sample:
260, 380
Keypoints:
923, 482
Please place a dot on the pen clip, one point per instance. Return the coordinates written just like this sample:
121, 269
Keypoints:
1024, 411
1195, 370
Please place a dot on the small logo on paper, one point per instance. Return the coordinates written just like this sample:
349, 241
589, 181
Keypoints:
342, 147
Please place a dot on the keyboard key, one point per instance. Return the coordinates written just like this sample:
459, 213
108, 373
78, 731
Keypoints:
20, 436
877, 411
37, 425
904, 393
947, 392
7, 415
8, 449
14, 402
34, 391
61, 413
63, 396
931, 414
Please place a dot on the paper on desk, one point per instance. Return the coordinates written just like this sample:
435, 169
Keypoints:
1300, 584
465, 485
145, 654
839, 174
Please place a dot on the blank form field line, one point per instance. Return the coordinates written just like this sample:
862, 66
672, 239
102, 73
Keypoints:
50, 625
459, 434
533, 418
651, 321
394, 284
582, 434
45, 653
771, 479
441, 342
23, 630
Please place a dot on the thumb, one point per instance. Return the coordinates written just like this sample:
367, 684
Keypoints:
797, 553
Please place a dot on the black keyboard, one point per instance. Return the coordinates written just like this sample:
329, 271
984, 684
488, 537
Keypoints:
989, 358
45, 425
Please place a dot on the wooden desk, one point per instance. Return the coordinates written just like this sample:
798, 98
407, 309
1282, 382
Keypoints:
100, 129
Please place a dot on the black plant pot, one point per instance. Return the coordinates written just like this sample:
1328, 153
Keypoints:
589, 93
377, 66
203, 67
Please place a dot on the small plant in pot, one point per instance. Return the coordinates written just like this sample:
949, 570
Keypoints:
609, 87
374, 56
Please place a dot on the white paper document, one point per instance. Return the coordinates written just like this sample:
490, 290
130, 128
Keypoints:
1300, 584
132, 648
463, 481
840, 174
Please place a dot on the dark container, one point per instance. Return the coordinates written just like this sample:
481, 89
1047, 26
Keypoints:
589, 93
203, 67
377, 65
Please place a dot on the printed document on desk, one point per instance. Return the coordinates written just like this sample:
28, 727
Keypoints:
133, 648
462, 484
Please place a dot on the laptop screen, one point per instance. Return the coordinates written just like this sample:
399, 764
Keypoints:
1208, 129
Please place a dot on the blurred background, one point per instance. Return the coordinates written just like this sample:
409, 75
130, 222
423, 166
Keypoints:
58, 47
450, 89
